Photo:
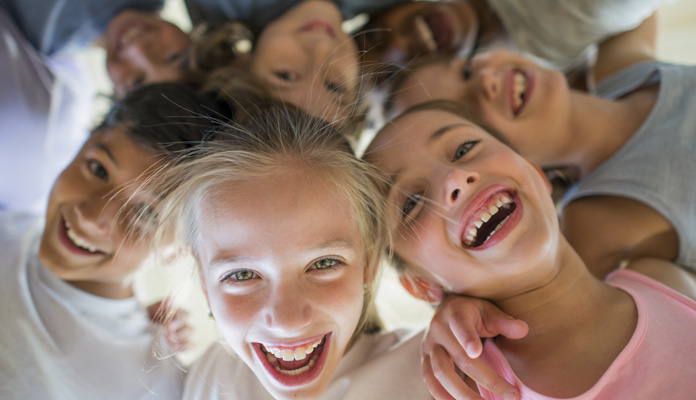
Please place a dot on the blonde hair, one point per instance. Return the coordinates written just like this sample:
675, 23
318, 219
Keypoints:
268, 142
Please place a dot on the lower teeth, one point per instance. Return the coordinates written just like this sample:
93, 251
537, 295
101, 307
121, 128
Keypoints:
296, 371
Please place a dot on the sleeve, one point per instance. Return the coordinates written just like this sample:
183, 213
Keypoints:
61, 25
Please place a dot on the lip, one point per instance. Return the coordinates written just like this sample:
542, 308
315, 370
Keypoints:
321, 25
69, 245
477, 202
303, 378
121, 29
510, 89
441, 28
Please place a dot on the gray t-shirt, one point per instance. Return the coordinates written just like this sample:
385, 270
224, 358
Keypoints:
657, 166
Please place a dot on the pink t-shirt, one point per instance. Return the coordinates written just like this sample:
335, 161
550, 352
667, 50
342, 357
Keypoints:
659, 362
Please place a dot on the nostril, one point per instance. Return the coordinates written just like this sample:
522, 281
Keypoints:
470, 179
455, 194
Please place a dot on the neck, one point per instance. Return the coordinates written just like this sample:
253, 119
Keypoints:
109, 290
564, 304
598, 128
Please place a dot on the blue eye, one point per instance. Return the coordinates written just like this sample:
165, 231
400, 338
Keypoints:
410, 203
98, 169
464, 148
239, 275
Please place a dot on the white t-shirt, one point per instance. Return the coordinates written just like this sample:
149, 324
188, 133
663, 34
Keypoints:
45, 116
58, 342
381, 366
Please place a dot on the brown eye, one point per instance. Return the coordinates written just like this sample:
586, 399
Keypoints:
98, 169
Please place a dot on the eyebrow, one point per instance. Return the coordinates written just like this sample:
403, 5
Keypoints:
433, 137
330, 244
106, 150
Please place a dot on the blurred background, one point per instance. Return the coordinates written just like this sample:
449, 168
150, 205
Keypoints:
676, 43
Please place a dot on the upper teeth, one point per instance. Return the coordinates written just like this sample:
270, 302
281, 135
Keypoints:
298, 353
130, 33
520, 89
472, 230
425, 33
78, 241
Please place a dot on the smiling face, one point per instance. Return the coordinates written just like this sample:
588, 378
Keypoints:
283, 268
142, 48
418, 28
530, 104
465, 210
83, 242
305, 58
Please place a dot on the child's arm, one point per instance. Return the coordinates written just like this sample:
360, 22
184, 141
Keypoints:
454, 335
669, 274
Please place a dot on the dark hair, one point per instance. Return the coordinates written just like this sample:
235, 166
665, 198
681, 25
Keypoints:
170, 116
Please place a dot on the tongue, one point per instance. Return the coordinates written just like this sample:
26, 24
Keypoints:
295, 364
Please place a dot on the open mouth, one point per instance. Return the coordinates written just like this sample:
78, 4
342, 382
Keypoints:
320, 25
294, 365
434, 31
78, 243
520, 87
488, 219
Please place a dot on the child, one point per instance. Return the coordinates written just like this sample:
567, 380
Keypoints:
470, 216
286, 227
72, 328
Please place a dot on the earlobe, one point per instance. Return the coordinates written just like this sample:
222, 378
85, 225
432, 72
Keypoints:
422, 289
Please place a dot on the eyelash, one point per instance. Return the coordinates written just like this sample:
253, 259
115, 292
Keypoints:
411, 201
336, 87
466, 147
285, 75
231, 276
97, 169
334, 264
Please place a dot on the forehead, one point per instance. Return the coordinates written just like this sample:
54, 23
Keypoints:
129, 154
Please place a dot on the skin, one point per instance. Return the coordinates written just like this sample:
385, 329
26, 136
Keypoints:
91, 196
560, 126
142, 48
528, 270
394, 38
282, 263
305, 58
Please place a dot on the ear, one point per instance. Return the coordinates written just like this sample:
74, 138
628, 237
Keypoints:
543, 176
421, 288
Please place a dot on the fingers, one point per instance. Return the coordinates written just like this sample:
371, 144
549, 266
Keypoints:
477, 370
498, 323
178, 331
434, 386
445, 382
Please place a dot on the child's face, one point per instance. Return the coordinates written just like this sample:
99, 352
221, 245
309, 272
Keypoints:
142, 48
465, 210
283, 267
86, 239
418, 28
305, 59
530, 104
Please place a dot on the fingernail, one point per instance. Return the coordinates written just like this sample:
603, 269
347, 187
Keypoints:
472, 352
511, 396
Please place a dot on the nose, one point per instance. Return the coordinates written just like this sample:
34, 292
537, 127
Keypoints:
289, 309
320, 49
485, 79
97, 215
457, 182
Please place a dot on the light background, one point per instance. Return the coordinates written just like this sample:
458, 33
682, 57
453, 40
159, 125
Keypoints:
676, 43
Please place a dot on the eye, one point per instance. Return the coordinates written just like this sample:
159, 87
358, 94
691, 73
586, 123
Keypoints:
336, 87
97, 169
176, 57
409, 204
286, 76
325, 263
146, 213
136, 83
239, 275
464, 148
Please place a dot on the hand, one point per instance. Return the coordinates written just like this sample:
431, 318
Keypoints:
176, 329
454, 335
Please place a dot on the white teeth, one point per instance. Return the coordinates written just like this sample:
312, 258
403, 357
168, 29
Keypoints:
129, 34
296, 371
299, 353
78, 241
425, 33
519, 90
503, 199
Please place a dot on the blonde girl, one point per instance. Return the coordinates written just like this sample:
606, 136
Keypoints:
286, 227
